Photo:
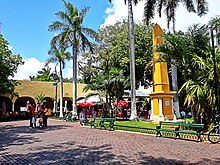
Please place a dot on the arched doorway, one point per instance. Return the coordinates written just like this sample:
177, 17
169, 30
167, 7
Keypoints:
49, 102
5, 104
22, 101
68, 102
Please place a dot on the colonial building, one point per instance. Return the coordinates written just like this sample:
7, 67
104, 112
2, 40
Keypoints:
28, 90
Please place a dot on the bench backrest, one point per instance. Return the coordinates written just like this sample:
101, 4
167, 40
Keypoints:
180, 124
99, 118
192, 125
112, 120
163, 123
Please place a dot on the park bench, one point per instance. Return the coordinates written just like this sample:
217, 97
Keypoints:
180, 128
69, 117
103, 123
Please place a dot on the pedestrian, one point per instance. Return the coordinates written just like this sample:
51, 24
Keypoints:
45, 116
32, 116
81, 118
93, 112
183, 114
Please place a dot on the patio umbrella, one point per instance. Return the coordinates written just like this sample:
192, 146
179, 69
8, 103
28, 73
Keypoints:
84, 104
121, 103
89, 104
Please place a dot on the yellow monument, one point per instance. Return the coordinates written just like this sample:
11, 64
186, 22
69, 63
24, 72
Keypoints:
161, 97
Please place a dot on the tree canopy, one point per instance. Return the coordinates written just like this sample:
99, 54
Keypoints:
8, 67
108, 67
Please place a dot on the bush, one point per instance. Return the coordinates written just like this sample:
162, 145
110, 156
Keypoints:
4, 117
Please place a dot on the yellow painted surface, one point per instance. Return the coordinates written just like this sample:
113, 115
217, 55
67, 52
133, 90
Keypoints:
167, 109
161, 87
156, 107
33, 88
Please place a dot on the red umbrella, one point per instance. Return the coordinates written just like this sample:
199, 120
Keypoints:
121, 103
79, 104
89, 104
84, 104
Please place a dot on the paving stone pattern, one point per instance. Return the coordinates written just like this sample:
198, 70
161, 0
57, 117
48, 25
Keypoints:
69, 143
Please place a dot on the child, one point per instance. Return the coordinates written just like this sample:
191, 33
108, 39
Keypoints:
40, 122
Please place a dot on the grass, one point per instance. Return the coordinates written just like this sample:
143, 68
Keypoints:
189, 120
138, 124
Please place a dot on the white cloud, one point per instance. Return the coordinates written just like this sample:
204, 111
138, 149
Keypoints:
70, 73
10, 47
119, 10
30, 68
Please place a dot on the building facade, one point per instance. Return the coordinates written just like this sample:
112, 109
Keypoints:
29, 90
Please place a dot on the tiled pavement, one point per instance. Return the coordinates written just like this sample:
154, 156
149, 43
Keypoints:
69, 143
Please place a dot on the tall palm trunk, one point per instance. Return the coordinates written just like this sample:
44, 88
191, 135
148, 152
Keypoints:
175, 88
132, 61
61, 91
74, 50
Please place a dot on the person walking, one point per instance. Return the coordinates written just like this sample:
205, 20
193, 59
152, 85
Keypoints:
46, 114
32, 116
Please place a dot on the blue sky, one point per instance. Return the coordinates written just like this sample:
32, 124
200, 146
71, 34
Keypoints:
24, 24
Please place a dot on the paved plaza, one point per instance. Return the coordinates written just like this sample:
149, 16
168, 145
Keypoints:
69, 143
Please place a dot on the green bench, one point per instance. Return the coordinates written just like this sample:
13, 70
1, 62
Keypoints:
103, 123
69, 117
180, 128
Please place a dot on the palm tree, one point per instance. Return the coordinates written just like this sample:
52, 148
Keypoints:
200, 93
199, 7
170, 7
72, 34
40, 98
59, 56
43, 75
132, 58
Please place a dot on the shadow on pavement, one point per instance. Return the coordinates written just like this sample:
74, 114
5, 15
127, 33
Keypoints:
73, 153
19, 135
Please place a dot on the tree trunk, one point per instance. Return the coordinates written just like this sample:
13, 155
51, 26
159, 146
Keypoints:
61, 91
175, 88
74, 79
132, 61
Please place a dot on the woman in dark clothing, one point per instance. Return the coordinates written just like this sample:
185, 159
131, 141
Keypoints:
45, 116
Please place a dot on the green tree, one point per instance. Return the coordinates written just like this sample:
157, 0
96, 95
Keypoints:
43, 75
8, 67
170, 6
193, 57
132, 57
110, 58
72, 34
40, 98
59, 57
200, 92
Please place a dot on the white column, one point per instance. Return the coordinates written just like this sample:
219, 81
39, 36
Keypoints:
152, 107
160, 107
13, 107
65, 108
161, 116
54, 106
